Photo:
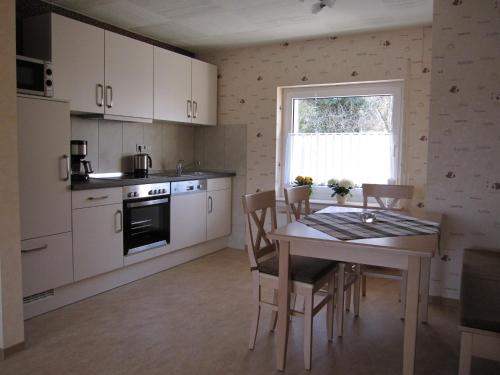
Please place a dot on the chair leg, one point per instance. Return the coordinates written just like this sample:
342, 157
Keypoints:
348, 298
274, 314
256, 313
330, 307
465, 354
363, 283
340, 299
357, 291
404, 282
308, 325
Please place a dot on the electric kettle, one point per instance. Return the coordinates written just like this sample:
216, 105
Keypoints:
142, 163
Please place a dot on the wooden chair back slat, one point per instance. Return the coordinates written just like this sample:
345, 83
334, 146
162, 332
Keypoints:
394, 192
256, 206
295, 197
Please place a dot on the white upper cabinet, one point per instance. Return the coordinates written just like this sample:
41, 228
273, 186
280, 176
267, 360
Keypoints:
204, 92
172, 86
78, 53
76, 50
129, 77
44, 177
106, 73
185, 89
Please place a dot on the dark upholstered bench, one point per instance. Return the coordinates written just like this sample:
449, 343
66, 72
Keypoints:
480, 307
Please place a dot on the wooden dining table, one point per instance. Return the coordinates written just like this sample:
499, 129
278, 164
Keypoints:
411, 253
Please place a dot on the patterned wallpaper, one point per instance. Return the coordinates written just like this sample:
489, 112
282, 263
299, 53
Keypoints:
249, 77
464, 141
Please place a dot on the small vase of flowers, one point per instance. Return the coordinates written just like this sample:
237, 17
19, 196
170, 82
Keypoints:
304, 181
341, 189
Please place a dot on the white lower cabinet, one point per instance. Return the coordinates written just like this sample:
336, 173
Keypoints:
47, 263
188, 219
218, 213
97, 240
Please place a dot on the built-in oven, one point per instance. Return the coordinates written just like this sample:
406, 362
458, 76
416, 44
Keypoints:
146, 217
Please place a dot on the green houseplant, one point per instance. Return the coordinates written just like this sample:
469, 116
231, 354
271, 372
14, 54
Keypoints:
304, 181
341, 189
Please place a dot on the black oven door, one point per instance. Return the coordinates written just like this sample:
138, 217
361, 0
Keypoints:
146, 224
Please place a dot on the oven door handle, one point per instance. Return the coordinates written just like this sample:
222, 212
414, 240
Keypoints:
146, 203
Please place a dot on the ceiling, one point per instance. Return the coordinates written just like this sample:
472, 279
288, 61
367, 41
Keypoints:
200, 25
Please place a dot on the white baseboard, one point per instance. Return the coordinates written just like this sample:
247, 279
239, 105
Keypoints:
90, 287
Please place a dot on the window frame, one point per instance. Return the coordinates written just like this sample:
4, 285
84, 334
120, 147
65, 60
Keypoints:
396, 88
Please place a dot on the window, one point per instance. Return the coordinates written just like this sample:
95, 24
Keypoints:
343, 131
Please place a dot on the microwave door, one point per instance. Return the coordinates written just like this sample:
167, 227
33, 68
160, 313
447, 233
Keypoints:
30, 78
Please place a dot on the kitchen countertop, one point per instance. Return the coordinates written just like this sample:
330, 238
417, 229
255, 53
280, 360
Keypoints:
100, 183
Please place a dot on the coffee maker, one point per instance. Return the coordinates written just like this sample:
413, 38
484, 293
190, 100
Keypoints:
78, 153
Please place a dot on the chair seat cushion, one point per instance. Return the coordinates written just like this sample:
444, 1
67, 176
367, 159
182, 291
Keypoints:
303, 269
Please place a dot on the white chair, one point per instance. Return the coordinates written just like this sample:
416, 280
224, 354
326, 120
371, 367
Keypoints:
296, 198
308, 275
388, 197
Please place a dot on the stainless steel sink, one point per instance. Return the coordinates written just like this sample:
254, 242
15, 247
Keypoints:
174, 174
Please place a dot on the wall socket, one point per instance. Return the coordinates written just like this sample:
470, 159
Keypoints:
142, 148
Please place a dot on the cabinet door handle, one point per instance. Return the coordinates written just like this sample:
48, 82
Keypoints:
98, 198
109, 98
99, 95
189, 109
210, 205
195, 109
120, 229
43, 247
66, 167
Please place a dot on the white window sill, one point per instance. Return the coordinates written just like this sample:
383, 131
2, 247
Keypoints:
318, 204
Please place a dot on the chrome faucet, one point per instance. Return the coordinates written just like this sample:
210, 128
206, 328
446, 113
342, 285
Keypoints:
181, 166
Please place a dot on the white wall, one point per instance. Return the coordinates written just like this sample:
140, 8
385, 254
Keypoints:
464, 140
249, 77
11, 314
247, 92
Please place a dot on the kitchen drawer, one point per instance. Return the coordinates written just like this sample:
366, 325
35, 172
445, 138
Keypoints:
47, 263
96, 197
219, 183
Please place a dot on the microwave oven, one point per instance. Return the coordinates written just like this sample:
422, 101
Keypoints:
34, 77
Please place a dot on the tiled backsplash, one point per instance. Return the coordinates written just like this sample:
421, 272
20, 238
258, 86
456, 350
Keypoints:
112, 143
225, 148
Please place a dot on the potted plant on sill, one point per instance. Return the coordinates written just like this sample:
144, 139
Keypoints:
304, 181
341, 189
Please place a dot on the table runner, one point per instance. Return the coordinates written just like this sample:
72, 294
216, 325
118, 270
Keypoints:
348, 225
